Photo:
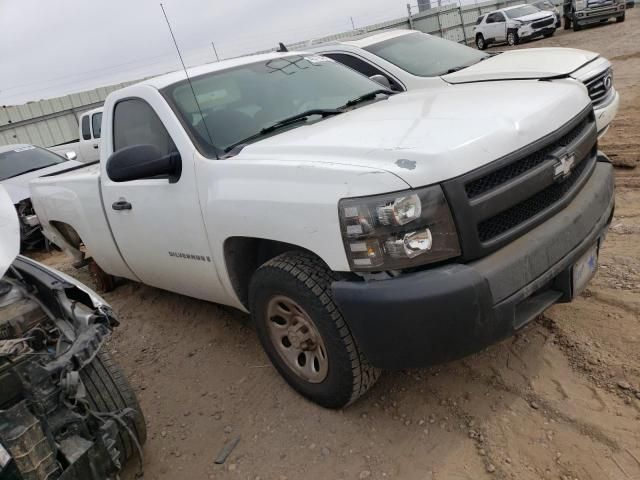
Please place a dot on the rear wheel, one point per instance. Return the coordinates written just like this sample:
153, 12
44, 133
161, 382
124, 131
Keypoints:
480, 43
512, 38
108, 391
303, 332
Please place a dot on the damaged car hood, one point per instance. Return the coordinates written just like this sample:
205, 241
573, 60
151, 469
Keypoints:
9, 232
428, 136
529, 63
18, 187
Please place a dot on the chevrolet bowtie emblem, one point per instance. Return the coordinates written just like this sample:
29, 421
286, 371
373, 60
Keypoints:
564, 166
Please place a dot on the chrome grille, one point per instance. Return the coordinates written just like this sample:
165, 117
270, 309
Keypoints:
599, 87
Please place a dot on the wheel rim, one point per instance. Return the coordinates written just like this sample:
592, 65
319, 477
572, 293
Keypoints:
511, 39
297, 339
480, 42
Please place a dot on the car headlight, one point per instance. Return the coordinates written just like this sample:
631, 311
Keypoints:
398, 230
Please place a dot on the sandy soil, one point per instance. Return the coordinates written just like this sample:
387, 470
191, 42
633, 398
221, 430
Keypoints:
561, 400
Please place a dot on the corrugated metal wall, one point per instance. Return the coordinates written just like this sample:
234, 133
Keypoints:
53, 122
50, 122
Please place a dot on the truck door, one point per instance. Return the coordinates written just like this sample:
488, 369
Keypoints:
96, 126
156, 224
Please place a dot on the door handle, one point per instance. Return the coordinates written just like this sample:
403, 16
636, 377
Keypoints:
121, 205
95, 145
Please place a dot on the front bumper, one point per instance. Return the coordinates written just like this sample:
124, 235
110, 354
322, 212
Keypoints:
528, 33
605, 114
440, 314
594, 15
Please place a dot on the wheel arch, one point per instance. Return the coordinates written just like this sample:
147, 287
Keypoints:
244, 255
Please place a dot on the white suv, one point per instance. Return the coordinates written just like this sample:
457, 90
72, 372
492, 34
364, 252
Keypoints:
513, 24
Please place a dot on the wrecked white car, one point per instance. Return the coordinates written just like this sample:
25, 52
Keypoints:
66, 409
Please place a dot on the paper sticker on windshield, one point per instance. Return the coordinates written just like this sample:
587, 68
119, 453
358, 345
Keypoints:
315, 59
5, 458
25, 148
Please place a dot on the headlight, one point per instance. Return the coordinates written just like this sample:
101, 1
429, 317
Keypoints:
398, 230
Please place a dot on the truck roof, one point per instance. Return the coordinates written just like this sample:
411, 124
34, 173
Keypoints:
179, 75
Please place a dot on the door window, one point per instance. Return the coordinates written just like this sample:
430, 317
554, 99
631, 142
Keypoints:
135, 123
96, 124
86, 128
361, 66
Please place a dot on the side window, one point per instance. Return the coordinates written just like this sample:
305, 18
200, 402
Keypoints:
479, 20
86, 128
361, 66
135, 123
96, 124
500, 17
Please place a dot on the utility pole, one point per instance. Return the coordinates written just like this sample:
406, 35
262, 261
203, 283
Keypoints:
353, 25
215, 51
410, 17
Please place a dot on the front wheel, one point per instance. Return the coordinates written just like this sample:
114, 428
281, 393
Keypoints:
303, 332
567, 23
576, 26
512, 39
550, 34
480, 43
620, 18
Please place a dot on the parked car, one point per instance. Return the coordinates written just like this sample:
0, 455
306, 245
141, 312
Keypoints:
362, 229
512, 25
87, 149
409, 60
580, 13
631, 3
549, 6
19, 164
66, 409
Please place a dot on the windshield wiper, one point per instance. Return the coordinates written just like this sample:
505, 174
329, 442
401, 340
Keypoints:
298, 117
368, 96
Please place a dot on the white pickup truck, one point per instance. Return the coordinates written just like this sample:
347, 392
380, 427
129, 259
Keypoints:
363, 230
87, 148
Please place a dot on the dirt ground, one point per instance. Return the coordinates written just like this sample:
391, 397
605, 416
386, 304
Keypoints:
561, 400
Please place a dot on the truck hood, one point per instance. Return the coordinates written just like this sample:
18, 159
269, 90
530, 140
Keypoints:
428, 136
18, 187
529, 63
9, 232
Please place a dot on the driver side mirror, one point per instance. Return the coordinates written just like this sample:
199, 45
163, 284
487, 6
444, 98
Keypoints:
70, 155
139, 162
382, 80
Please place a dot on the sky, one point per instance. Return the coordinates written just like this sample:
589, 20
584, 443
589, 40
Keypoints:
50, 48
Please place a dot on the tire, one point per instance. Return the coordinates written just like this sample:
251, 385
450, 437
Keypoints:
576, 26
480, 42
109, 391
338, 373
567, 23
620, 19
549, 35
512, 38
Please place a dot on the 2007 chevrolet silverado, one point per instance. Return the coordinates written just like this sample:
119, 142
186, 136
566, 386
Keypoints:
363, 230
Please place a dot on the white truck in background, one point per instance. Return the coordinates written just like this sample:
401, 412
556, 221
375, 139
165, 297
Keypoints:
363, 229
87, 148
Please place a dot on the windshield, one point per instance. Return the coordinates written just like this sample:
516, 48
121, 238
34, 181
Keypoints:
521, 11
238, 103
424, 55
24, 159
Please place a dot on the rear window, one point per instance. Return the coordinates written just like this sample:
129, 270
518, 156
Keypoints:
86, 128
96, 121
